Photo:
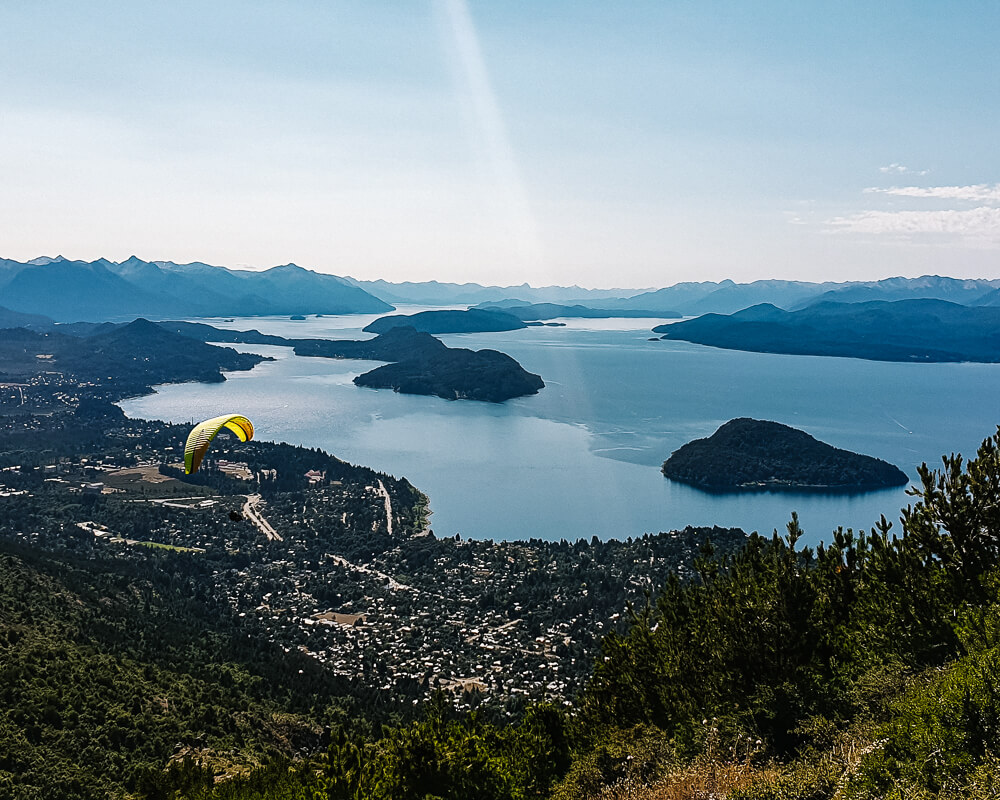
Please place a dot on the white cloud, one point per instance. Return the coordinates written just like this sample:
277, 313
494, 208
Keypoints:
977, 226
976, 223
899, 169
977, 193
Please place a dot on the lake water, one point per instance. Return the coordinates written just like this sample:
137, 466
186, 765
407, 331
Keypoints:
582, 457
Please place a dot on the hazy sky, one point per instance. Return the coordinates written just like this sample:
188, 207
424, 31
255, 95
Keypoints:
600, 143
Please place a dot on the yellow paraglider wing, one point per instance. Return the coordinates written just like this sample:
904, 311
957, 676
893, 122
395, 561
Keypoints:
203, 433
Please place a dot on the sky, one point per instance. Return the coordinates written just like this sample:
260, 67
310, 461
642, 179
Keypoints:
600, 144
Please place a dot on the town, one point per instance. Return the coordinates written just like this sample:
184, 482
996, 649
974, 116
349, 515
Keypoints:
337, 561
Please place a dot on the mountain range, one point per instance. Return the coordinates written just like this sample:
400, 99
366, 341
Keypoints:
94, 291
693, 298
728, 297
72, 291
435, 293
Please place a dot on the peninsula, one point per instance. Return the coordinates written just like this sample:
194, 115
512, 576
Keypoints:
903, 330
116, 361
474, 320
419, 363
754, 454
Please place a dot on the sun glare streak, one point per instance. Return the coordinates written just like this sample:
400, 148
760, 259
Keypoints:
507, 200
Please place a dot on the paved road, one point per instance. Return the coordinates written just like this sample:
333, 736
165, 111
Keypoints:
251, 513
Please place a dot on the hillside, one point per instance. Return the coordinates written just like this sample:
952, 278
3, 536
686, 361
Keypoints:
904, 330
16, 319
115, 670
120, 362
749, 453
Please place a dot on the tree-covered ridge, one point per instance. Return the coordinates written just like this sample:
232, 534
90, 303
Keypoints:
115, 362
114, 671
750, 453
902, 330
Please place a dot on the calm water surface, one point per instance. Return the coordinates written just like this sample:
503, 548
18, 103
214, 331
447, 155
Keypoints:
582, 457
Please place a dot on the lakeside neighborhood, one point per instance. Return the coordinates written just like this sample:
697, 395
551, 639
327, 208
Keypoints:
347, 571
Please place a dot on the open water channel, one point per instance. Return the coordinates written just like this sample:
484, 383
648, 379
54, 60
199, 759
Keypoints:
582, 457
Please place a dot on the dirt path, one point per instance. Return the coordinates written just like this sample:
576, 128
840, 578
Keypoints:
392, 583
388, 506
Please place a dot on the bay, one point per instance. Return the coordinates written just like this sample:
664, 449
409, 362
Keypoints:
582, 457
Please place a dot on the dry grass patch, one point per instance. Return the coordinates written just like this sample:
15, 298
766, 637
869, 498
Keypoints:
699, 781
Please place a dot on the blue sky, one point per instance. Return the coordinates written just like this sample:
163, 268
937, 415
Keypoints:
604, 144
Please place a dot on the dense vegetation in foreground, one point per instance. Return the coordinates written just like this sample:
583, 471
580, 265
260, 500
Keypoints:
865, 668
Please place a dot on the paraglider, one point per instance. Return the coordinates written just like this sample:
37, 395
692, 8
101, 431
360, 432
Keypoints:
203, 433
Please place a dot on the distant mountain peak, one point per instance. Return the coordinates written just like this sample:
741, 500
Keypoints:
42, 261
140, 326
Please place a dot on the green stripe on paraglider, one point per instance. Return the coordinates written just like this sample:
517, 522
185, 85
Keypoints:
203, 433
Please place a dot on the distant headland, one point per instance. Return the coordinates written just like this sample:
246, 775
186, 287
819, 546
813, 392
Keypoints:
920, 330
449, 321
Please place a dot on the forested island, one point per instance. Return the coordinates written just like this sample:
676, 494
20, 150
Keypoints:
755, 454
457, 374
904, 330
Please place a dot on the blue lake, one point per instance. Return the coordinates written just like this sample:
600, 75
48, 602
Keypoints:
582, 457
